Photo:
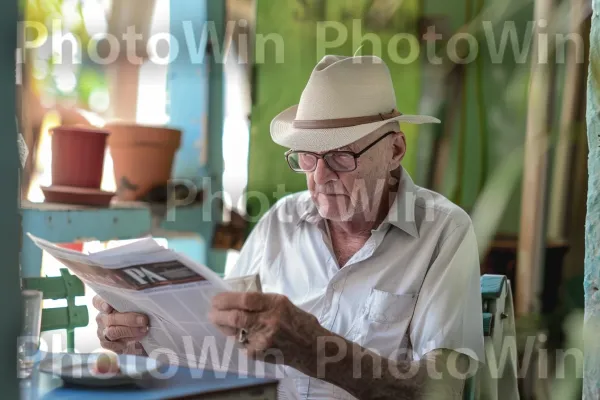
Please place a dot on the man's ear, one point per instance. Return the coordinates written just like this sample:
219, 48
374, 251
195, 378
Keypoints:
398, 148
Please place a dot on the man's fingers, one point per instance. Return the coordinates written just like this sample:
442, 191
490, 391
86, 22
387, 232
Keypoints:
125, 327
125, 319
101, 305
124, 333
249, 301
106, 333
117, 347
236, 319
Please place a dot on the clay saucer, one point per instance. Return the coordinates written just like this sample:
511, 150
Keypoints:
77, 195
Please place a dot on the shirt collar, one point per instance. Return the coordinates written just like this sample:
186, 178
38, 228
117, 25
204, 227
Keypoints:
401, 214
310, 213
402, 211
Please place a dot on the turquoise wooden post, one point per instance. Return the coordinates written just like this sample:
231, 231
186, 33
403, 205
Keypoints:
216, 112
196, 106
591, 380
187, 85
9, 214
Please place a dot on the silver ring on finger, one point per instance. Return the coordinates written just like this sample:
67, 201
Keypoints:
243, 336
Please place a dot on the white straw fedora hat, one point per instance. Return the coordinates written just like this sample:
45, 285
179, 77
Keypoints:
345, 99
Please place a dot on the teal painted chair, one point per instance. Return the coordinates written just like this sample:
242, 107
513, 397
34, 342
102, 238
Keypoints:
491, 290
67, 287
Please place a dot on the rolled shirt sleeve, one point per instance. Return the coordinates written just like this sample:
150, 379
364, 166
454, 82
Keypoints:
448, 313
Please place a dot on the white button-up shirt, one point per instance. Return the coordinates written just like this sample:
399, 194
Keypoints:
412, 288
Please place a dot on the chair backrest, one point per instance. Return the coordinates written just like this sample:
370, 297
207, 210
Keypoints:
491, 290
67, 287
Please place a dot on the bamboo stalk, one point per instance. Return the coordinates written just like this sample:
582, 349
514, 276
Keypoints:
443, 145
531, 232
565, 146
458, 195
482, 114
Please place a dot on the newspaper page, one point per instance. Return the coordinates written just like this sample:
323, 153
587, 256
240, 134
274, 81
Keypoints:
175, 293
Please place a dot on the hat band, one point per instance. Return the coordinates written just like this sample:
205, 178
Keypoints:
343, 122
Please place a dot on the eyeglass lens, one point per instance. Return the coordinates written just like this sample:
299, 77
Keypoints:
337, 161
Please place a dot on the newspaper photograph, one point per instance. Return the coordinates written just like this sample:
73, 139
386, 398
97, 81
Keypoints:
175, 293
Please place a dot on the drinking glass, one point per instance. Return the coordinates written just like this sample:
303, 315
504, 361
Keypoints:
29, 340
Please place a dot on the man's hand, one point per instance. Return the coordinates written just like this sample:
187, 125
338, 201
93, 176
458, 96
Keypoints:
120, 332
272, 322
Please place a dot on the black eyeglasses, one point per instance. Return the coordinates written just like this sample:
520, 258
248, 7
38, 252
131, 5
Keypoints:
339, 161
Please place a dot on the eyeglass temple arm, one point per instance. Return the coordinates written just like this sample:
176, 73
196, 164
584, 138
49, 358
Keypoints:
356, 155
360, 153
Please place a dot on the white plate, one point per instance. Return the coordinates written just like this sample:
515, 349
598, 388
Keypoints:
78, 369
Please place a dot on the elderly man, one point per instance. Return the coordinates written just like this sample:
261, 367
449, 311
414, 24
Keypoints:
370, 283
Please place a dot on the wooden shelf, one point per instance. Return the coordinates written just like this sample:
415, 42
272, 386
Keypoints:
115, 205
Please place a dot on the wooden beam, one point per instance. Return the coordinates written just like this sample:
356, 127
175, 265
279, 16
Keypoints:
123, 75
531, 232
123, 82
131, 13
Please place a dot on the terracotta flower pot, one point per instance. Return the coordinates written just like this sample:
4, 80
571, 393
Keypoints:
78, 156
142, 157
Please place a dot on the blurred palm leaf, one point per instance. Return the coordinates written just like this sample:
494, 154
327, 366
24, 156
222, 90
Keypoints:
493, 199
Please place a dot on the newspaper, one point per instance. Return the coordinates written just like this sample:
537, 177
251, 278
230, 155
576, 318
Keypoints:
175, 293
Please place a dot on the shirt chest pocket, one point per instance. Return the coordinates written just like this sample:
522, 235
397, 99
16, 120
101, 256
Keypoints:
381, 325
383, 321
